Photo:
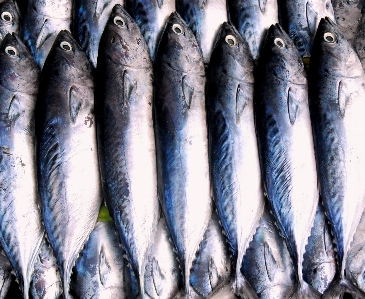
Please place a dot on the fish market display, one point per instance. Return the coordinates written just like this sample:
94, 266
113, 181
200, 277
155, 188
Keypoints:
300, 19
286, 146
359, 42
151, 17
267, 264
204, 19
336, 102
42, 22
21, 231
181, 140
5, 274
9, 18
319, 266
68, 172
126, 137
252, 18
234, 160
89, 19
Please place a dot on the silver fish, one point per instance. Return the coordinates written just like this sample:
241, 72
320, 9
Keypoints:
68, 172
181, 140
286, 146
337, 85
5, 274
9, 18
252, 18
89, 19
151, 16
359, 42
126, 137
204, 17
42, 22
300, 19
21, 230
234, 158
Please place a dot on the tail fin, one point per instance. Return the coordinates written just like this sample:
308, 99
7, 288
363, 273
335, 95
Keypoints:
340, 286
242, 288
305, 291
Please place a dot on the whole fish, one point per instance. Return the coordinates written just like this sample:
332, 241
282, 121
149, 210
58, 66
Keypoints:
319, 265
267, 264
204, 18
347, 15
234, 160
336, 89
5, 274
252, 18
46, 280
286, 146
88, 22
151, 16
43, 20
9, 18
359, 42
68, 171
21, 230
99, 269
300, 19
163, 276
126, 137
181, 140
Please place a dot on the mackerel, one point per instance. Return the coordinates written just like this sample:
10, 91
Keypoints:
9, 18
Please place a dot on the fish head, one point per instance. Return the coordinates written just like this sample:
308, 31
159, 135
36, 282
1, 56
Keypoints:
281, 57
122, 41
67, 61
333, 53
18, 70
178, 47
9, 18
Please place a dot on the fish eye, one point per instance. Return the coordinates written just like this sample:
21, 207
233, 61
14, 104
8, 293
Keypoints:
231, 40
11, 51
279, 43
119, 22
66, 46
178, 29
329, 37
7, 17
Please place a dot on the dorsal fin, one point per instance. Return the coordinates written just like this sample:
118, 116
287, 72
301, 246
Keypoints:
129, 87
213, 273
44, 34
312, 18
292, 106
104, 267
344, 97
14, 110
241, 103
262, 4
75, 103
188, 92
158, 277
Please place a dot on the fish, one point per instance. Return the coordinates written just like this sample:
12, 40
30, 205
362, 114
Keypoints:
163, 276
300, 19
21, 230
181, 141
336, 87
319, 265
42, 22
151, 17
9, 18
46, 280
204, 19
233, 154
252, 18
68, 169
126, 137
99, 269
5, 274
267, 264
359, 41
88, 22
286, 149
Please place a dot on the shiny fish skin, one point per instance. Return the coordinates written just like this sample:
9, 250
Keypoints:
319, 266
252, 18
336, 89
204, 17
126, 137
234, 160
151, 16
68, 172
286, 146
181, 140
88, 22
9, 18
300, 19
21, 231
99, 269
267, 264
42, 22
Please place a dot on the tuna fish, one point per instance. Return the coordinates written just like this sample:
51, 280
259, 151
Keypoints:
68, 171
21, 231
9, 18
126, 137
286, 146
181, 140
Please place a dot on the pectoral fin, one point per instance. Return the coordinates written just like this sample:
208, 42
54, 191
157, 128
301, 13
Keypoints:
344, 97
188, 92
158, 277
75, 104
292, 106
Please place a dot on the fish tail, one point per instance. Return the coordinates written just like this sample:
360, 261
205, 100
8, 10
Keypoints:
305, 291
339, 286
186, 279
242, 288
